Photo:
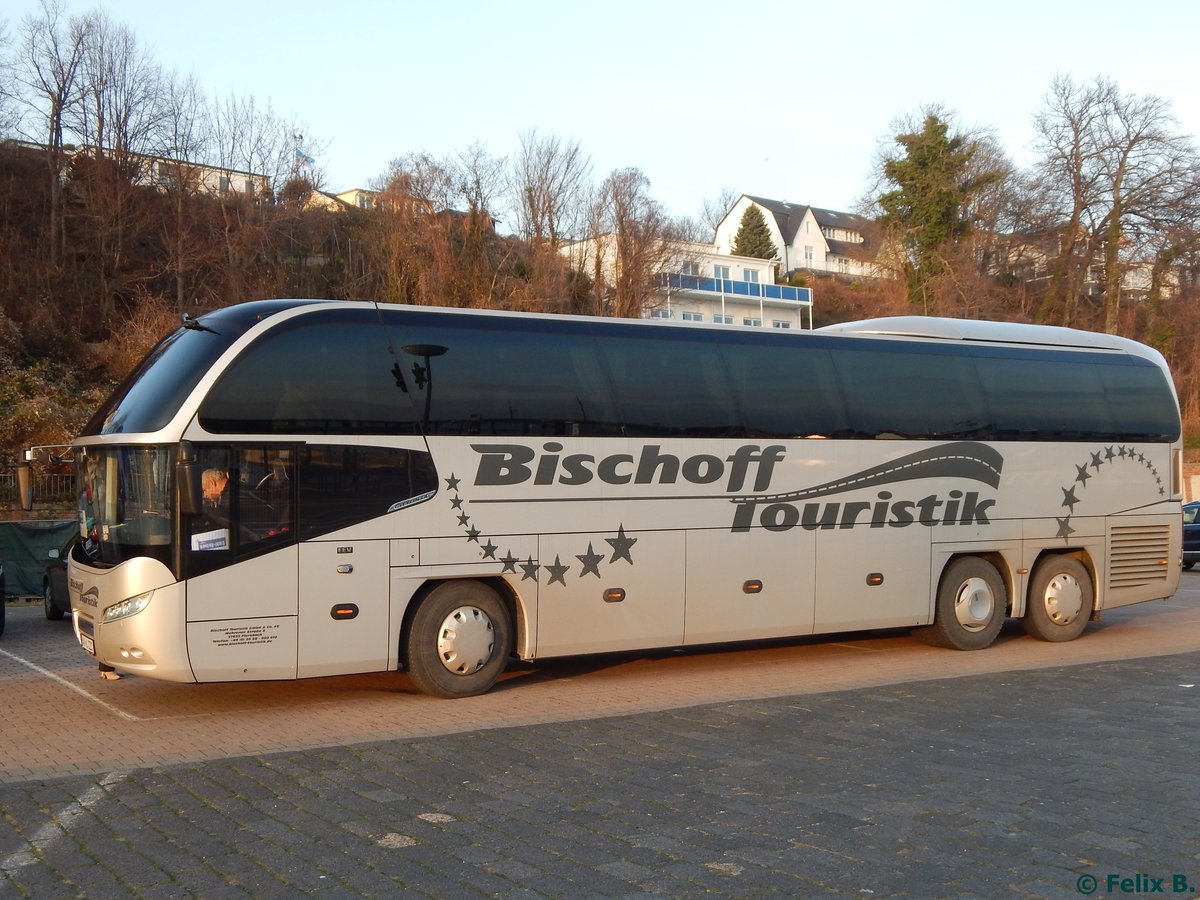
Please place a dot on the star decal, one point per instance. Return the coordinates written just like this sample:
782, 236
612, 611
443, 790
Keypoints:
464, 519
621, 545
489, 550
557, 572
510, 563
456, 502
1109, 454
473, 535
591, 561
530, 570
452, 483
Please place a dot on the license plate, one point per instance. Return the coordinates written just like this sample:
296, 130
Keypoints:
87, 643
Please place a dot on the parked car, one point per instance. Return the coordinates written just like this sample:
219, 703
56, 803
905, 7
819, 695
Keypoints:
55, 599
1191, 534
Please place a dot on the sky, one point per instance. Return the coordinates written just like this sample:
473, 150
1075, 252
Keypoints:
783, 100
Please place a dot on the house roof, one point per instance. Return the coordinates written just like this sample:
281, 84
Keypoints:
835, 219
788, 217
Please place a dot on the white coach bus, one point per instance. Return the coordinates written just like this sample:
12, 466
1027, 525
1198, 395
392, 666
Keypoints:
287, 488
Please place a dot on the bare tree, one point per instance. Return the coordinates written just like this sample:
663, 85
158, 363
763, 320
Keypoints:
714, 209
480, 179
122, 101
1112, 173
633, 239
184, 140
45, 68
548, 187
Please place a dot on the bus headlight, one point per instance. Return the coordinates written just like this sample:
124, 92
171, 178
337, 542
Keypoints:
130, 607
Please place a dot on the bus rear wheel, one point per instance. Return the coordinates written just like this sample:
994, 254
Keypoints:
970, 609
1061, 598
459, 640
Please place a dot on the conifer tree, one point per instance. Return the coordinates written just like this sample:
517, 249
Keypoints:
753, 237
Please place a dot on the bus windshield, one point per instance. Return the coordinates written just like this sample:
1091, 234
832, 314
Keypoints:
126, 503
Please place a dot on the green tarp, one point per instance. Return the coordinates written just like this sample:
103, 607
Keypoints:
24, 550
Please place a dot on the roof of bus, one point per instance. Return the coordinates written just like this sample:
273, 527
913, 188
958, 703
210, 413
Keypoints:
992, 332
927, 327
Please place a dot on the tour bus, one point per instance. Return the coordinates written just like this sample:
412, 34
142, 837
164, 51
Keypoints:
295, 488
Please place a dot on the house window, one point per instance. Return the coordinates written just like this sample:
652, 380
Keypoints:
223, 185
843, 265
780, 323
757, 323
750, 275
721, 272
689, 268
693, 317
808, 256
723, 320
660, 314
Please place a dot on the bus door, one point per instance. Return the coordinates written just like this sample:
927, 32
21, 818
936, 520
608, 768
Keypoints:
748, 585
240, 559
873, 578
344, 607
609, 591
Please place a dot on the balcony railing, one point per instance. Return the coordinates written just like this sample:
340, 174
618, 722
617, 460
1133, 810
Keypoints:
729, 287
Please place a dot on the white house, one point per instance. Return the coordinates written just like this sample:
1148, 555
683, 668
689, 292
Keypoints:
700, 284
695, 283
806, 238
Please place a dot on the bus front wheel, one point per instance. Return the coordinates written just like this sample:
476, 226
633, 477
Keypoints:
1060, 599
970, 609
459, 640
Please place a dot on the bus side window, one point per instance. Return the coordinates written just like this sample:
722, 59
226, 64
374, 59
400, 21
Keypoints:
785, 391
671, 384
347, 484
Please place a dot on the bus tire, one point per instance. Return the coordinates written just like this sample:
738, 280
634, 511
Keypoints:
971, 606
459, 640
1061, 598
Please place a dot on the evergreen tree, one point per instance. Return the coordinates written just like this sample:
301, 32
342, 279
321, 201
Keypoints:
925, 212
753, 237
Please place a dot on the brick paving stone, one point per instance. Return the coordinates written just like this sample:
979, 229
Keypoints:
973, 786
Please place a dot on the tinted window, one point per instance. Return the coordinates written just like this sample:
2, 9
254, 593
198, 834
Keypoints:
506, 377
343, 372
670, 382
319, 374
153, 392
343, 485
911, 393
785, 389
1040, 396
247, 494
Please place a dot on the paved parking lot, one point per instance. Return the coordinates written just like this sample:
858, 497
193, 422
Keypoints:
867, 767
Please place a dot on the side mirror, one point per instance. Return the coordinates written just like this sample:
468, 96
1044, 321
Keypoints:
187, 477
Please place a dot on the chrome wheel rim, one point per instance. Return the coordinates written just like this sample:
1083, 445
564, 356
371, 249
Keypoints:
1063, 599
465, 640
973, 605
